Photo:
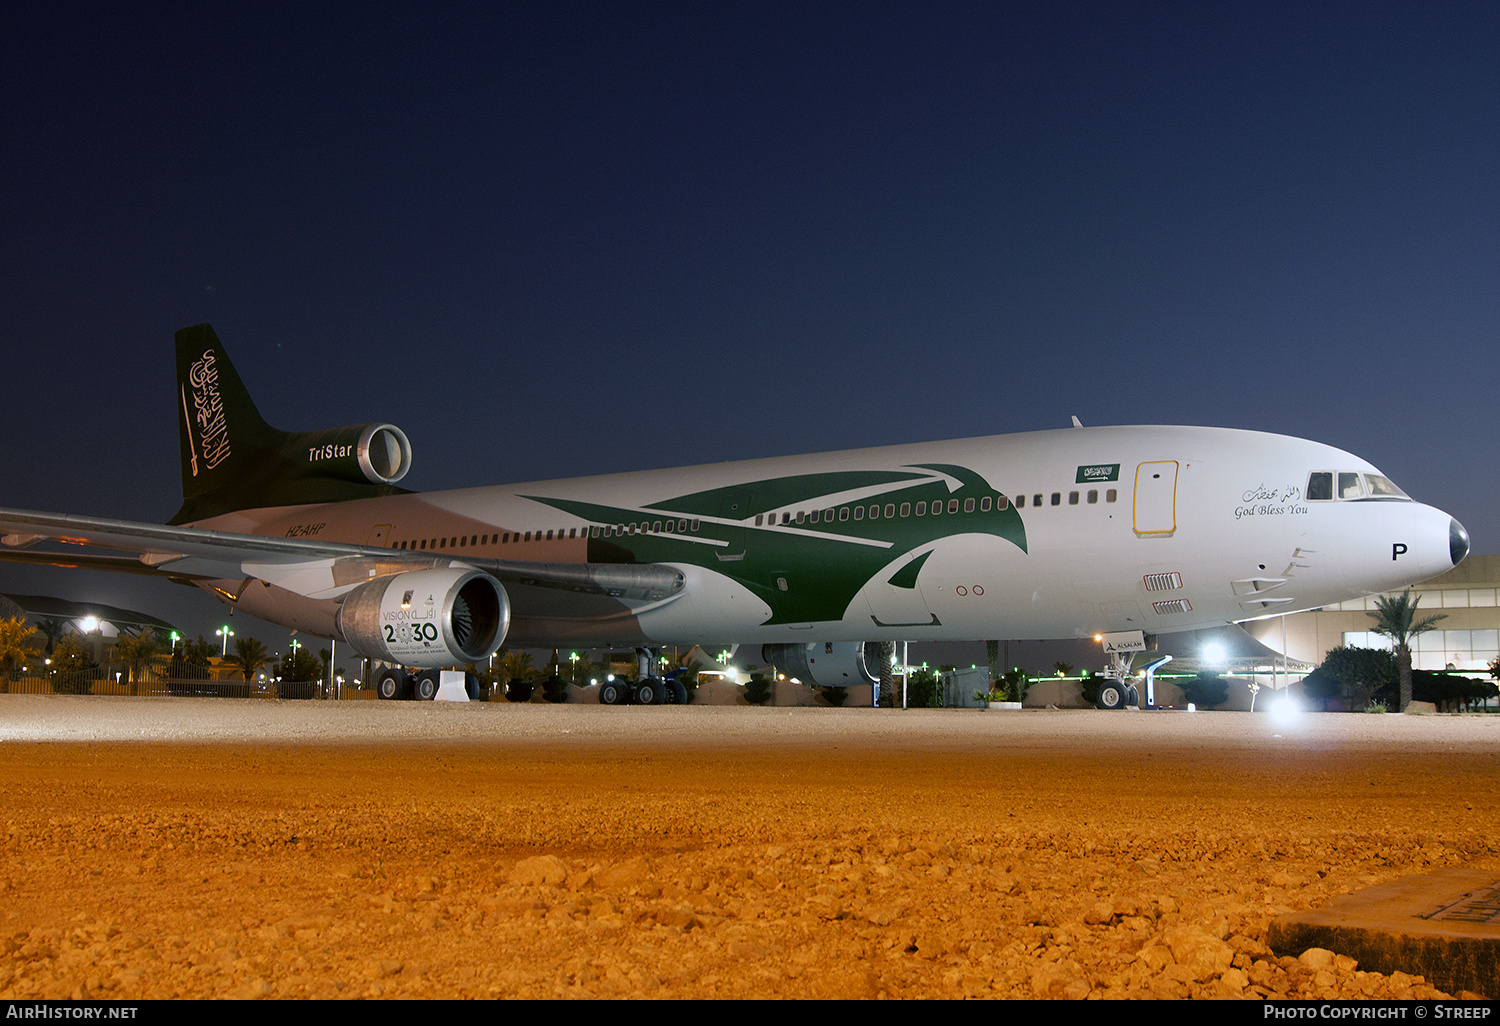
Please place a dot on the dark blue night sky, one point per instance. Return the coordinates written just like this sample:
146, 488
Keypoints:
561, 239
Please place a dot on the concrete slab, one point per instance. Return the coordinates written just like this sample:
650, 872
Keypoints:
1444, 926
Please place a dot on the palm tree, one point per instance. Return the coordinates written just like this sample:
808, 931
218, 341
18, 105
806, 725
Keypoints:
53, 629
1395, 618
887, 675
514, 666
249, 656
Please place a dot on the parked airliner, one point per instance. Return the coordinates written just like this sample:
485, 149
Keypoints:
1053, 534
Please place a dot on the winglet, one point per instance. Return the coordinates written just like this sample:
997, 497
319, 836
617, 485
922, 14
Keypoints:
1076, 421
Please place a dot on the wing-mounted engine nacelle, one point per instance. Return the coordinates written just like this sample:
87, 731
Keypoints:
377, 453
827, 664
427, 618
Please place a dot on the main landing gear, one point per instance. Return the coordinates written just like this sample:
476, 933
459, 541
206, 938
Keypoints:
648, 689
395, 684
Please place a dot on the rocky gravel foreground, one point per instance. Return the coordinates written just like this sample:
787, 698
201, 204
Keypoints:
191, 848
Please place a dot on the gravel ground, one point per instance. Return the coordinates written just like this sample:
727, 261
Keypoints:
214, 848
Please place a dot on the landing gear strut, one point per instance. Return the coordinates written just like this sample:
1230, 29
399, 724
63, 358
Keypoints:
649, 688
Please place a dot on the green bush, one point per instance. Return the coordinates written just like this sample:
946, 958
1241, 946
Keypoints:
922, 690
757, 690
1205, 690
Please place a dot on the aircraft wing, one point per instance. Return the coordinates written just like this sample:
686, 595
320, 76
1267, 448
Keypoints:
317, 569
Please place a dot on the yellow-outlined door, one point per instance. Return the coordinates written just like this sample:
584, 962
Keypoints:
1156, 497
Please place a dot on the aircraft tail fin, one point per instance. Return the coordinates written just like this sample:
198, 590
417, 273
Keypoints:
233, 460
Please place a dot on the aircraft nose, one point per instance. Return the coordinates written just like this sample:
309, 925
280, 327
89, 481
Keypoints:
1458, 541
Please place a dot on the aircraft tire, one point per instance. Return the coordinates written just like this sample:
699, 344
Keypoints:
426, 687
649, 691
1111, 696
1132, 696
678, 694
392, 685
612, 692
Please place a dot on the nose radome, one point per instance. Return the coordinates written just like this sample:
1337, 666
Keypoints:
1458, 541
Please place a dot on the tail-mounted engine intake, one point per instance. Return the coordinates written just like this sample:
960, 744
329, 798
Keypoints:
378, 453
827, 664
427, 618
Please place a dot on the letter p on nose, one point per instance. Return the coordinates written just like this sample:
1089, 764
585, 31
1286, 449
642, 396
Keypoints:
1397, 549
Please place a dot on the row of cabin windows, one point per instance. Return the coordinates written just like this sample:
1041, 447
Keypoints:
875, 511
559, 534
1110, 495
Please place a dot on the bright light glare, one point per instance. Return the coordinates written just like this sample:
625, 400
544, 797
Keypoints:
1214, 654
1284, 710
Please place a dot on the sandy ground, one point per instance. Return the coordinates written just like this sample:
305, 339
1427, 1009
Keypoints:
202, 848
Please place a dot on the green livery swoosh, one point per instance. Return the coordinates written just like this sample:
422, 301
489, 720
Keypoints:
807, 571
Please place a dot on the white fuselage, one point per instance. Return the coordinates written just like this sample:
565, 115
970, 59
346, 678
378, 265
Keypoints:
1125, 528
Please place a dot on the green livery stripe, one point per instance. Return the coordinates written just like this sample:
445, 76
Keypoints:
811, 571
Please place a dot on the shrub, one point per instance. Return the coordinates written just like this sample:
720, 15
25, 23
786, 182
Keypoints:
1206, 690
757, 689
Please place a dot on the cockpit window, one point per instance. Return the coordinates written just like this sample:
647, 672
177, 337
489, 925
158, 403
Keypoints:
1383, 487
1326, 485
